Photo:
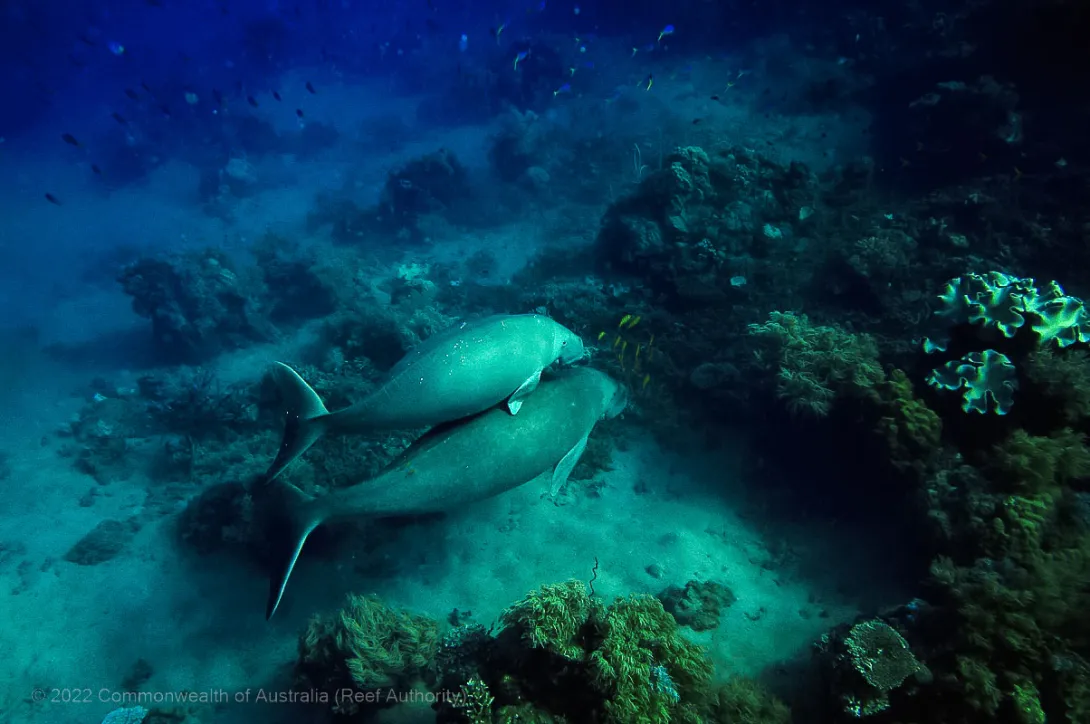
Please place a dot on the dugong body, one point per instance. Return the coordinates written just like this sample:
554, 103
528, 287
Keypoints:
459, 463
450, 375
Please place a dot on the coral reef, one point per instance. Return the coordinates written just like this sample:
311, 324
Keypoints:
365, 646
563, 655
197, 303
816, 363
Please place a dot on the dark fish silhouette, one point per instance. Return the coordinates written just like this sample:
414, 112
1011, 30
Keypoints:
52, 199
277, 96
310, 87
299, 112
132, 94
70, 139
97, 171
251, 101
119, 118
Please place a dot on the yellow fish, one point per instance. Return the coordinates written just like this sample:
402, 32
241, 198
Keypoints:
624, 321
638, 348
616, 341
600, 335
646, 379
624, 348
634, 321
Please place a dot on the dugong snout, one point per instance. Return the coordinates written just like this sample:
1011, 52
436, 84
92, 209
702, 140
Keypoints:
570, 346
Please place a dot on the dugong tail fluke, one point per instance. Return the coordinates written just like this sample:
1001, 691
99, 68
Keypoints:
296, 516
305, 417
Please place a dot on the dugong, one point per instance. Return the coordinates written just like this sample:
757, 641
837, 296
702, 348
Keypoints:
455, 464
448, 376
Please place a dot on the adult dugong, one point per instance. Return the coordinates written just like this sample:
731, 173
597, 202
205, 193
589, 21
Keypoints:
455, 464
448, 376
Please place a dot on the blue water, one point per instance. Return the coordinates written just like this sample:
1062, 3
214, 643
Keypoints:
745, 211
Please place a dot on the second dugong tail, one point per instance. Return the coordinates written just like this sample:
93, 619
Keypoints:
290, 517
305, 417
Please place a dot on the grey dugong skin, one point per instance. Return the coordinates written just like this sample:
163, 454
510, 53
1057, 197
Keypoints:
488, 454
462, 371
451, 375
459, 463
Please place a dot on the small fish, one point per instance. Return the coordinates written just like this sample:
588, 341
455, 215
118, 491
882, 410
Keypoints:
650, 81
668, 30
70, 139
1017, 173
571, 71
646, 379
52, 199
146, 88
715, 98
119, 118
132, 94
634, 51
1060, 163
116, 48
639, 347
87, 41
600, 335
616, 341
310, 88
697, 121
566, 88
251, 101
497, 32
624, 348
276, 95
624, 321
217, 97
634, 321
523, 55
299, 112
166, 111
96, 170
463, 43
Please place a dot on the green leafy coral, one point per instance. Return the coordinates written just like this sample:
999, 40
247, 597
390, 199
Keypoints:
816, 364
1040, 465
367, 645
640, 668
650, 672
1062, 379
912, 431
555, 617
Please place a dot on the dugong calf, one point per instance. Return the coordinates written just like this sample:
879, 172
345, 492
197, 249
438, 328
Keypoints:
448, 376
455, 464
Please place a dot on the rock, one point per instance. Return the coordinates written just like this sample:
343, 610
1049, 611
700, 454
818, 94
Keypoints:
108, 538
699, 604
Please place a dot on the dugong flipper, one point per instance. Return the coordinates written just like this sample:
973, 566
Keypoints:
455, 464
451, 375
